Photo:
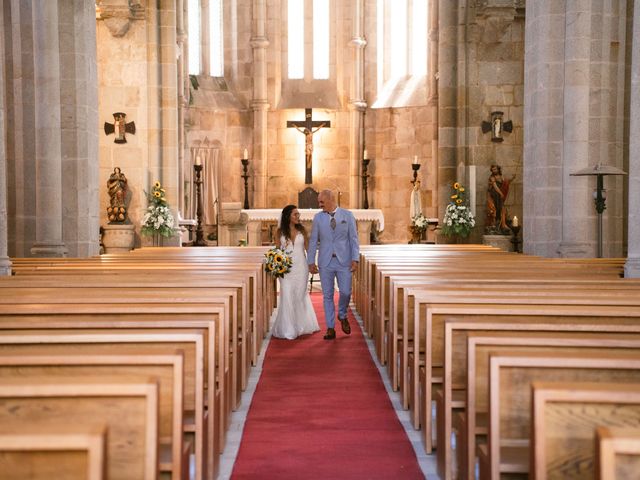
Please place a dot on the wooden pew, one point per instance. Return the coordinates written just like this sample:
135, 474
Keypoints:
61, 451
511, 375
87, 342
254, 298
617, 453
429, 330
564, 419
134, 318
530, 329
128, 409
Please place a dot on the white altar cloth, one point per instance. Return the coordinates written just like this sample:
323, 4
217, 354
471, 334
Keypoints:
306, 214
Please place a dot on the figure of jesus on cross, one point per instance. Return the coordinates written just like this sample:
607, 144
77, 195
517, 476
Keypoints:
308, 127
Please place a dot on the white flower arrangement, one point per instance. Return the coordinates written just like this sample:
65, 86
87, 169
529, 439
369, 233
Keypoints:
419, 223
158, 218
458, 218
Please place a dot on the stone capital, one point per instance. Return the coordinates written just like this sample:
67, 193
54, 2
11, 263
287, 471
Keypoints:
118, 14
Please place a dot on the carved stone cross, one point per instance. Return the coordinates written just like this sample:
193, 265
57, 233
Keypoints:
308, 127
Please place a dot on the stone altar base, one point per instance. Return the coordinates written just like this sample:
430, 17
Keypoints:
118, 238
503, 242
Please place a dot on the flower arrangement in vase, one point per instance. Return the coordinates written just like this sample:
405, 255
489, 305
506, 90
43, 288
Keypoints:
458, 218
158, 219
419, 224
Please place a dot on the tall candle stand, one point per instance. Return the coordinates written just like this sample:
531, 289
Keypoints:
415, 167
199, 241
245, 175
515, 240
365, 176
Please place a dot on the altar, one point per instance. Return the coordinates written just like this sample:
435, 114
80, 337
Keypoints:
365, 220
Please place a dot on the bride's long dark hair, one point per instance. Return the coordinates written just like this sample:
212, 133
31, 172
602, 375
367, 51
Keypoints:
284, 229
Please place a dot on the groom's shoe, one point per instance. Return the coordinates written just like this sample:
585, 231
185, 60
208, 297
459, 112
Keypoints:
330, 335
344, 322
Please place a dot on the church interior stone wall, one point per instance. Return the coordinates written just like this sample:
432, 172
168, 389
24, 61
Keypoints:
560, 71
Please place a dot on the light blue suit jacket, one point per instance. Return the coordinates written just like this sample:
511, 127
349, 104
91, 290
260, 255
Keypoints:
343, 241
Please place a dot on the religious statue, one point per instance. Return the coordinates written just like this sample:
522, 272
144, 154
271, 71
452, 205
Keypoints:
308, 127
415, 205
117, 187
308, 144
497, 191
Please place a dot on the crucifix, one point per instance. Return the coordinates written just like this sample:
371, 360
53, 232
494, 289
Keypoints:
308, 127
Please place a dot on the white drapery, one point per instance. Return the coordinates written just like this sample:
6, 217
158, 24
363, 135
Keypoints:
209, 157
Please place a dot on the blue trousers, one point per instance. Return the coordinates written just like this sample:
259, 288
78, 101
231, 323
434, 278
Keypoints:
328, 275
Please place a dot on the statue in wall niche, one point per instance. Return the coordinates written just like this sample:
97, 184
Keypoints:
117, 187
497, 192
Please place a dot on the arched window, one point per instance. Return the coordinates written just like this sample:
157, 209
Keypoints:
205, 33
309, 39
402, 31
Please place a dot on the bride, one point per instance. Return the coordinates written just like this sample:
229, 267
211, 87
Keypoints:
295, 315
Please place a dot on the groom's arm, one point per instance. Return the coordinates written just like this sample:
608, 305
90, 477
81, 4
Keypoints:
354, 242
313, 247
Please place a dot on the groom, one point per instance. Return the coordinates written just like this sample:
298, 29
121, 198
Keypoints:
335, 236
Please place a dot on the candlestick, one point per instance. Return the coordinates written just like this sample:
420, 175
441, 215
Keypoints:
365, 176
245, 175
415, 167
199, 241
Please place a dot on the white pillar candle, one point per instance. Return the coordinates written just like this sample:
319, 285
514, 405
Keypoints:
198, 160
245, 154
365, 155
514, 222
415, 159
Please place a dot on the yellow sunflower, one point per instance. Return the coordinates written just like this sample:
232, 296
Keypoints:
456, 185
462, 189
156, 185
277, 258
458, 201
157, 194
453, 197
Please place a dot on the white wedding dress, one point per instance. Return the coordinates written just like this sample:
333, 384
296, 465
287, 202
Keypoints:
295, 315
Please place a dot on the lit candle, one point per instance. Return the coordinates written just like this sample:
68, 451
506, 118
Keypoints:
365, 155
415, 159
198, 160
514, 222
245, 155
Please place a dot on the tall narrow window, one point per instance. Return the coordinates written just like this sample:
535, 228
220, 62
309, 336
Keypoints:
195, 50
398, 32
420, 16
402, 28
321, 39
295, 22
216, 45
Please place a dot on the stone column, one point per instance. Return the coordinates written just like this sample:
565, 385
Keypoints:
5, 263
259, 103
543, 128
447, 100
47, 132
632, 266
578, 224
357, 105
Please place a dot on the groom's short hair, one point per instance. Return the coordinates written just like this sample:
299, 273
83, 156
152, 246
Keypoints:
328, 194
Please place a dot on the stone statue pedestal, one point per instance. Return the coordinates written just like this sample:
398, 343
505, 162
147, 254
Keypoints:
503, 242
118, 238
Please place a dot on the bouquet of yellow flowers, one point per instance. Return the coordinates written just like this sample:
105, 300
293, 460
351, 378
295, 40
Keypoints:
277, 262
158, 218
458, 218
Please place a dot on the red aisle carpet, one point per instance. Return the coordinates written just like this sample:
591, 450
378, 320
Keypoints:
320, 411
